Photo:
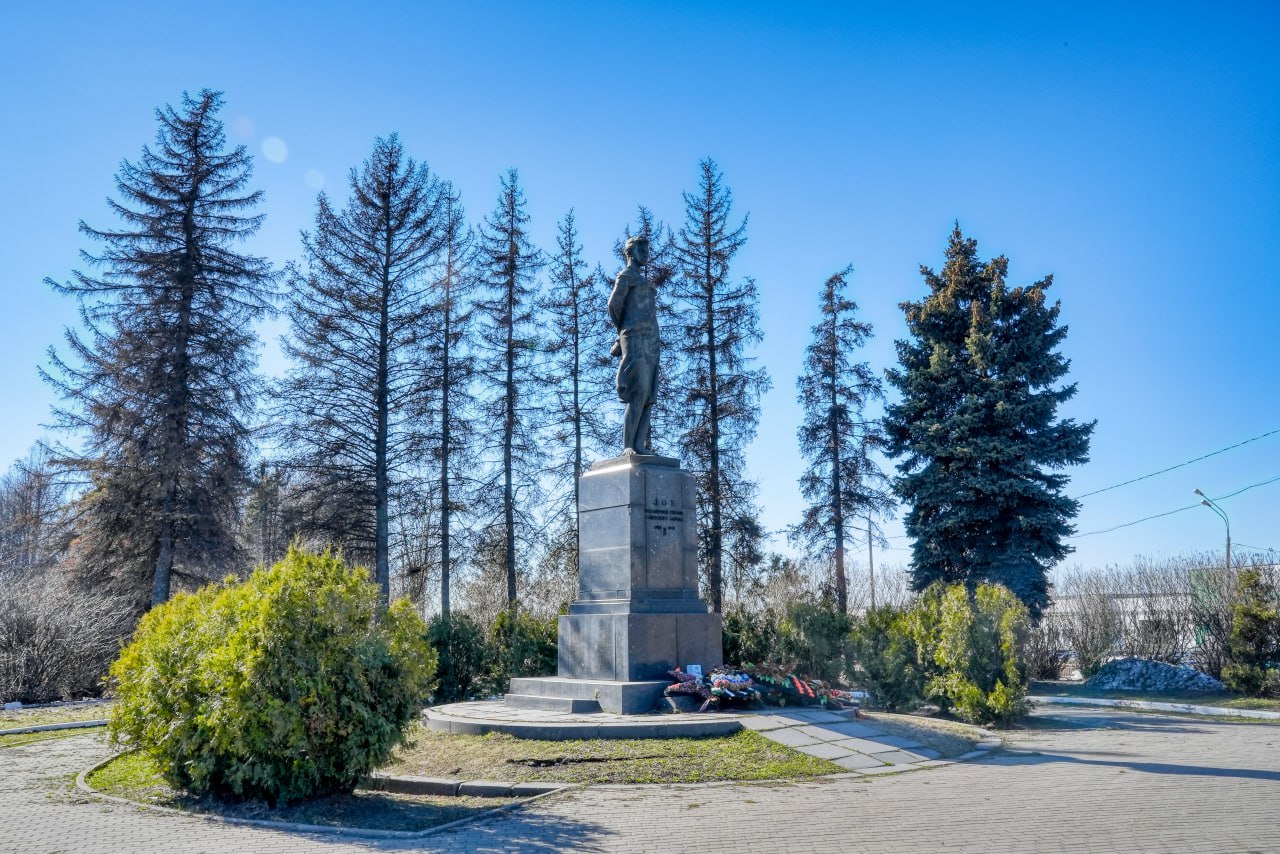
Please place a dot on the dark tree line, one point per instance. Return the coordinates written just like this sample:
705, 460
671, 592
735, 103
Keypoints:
448, 385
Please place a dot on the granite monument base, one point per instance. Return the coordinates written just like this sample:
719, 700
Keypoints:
584, 696
637, 647
638, 613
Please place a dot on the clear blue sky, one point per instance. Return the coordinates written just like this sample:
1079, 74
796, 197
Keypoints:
1132, 150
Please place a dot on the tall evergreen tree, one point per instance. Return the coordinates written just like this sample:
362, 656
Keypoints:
358, 316
980, 443
452, 369
162, 386
717, 389
842, 483
579, 364
508, 341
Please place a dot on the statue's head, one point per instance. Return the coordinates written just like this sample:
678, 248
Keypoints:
637, 249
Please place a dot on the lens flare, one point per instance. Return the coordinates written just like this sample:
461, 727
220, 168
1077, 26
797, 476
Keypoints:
314, 179
274, 149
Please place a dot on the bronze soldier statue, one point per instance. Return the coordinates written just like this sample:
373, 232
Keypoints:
634, 309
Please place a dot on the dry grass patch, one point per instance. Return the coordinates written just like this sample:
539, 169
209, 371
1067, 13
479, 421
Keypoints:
62, 713
949, 738
136, 776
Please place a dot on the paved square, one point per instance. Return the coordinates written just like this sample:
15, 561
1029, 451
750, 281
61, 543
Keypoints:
1087, 781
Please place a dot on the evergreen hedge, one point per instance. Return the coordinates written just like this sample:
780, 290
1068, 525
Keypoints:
292, 684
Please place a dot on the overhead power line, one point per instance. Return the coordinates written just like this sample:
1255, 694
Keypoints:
1171, 512
1255, 548
1178, 466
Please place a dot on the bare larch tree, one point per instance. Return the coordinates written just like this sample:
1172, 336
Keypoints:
842, 483
358, 314
450, 369
508, 345
716, 388
579, 368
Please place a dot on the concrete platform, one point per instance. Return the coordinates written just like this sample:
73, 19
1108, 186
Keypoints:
479, 718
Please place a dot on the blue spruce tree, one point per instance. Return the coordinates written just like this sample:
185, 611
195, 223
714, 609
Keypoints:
980, 446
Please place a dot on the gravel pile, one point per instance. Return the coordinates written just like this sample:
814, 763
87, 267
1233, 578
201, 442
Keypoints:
1138, 674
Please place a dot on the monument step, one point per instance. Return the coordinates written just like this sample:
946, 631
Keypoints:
568, 705
619, 698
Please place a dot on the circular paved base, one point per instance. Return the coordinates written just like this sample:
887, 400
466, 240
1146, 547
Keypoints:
496, 716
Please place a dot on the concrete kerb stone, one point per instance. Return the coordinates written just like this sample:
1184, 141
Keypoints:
444, 787
410, 785
485, 789
52, 727
1154, 706
508, 790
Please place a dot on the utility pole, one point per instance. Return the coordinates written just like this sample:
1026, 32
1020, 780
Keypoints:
871, 564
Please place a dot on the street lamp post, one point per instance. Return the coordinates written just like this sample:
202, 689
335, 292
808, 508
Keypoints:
1209, 502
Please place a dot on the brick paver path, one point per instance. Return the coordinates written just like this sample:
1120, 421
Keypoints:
1090, 781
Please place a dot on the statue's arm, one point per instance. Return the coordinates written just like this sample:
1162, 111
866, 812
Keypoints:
618, 300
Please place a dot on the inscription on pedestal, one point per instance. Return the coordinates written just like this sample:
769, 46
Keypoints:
664, 519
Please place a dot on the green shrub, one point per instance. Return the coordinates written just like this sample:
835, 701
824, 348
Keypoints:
1251, 680
463, 651
810, 638
886, 655
970, 644
525, 646
813, 641
1253, 646
292, 684
752, 637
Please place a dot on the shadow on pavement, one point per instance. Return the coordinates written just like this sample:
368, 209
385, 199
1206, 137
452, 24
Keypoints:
504, 832
1041, 758
1110, 720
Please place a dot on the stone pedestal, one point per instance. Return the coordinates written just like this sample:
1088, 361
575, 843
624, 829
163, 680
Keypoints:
638, 613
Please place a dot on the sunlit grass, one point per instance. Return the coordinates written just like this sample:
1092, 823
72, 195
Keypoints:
742, 756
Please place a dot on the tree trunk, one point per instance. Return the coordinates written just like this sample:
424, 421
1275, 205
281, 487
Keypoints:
178, 401
837, 503
716, 568
382, 568
577, 416
445, 357
508, 437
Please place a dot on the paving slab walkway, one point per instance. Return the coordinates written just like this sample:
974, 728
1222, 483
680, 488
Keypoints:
857, 746
1078, 780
